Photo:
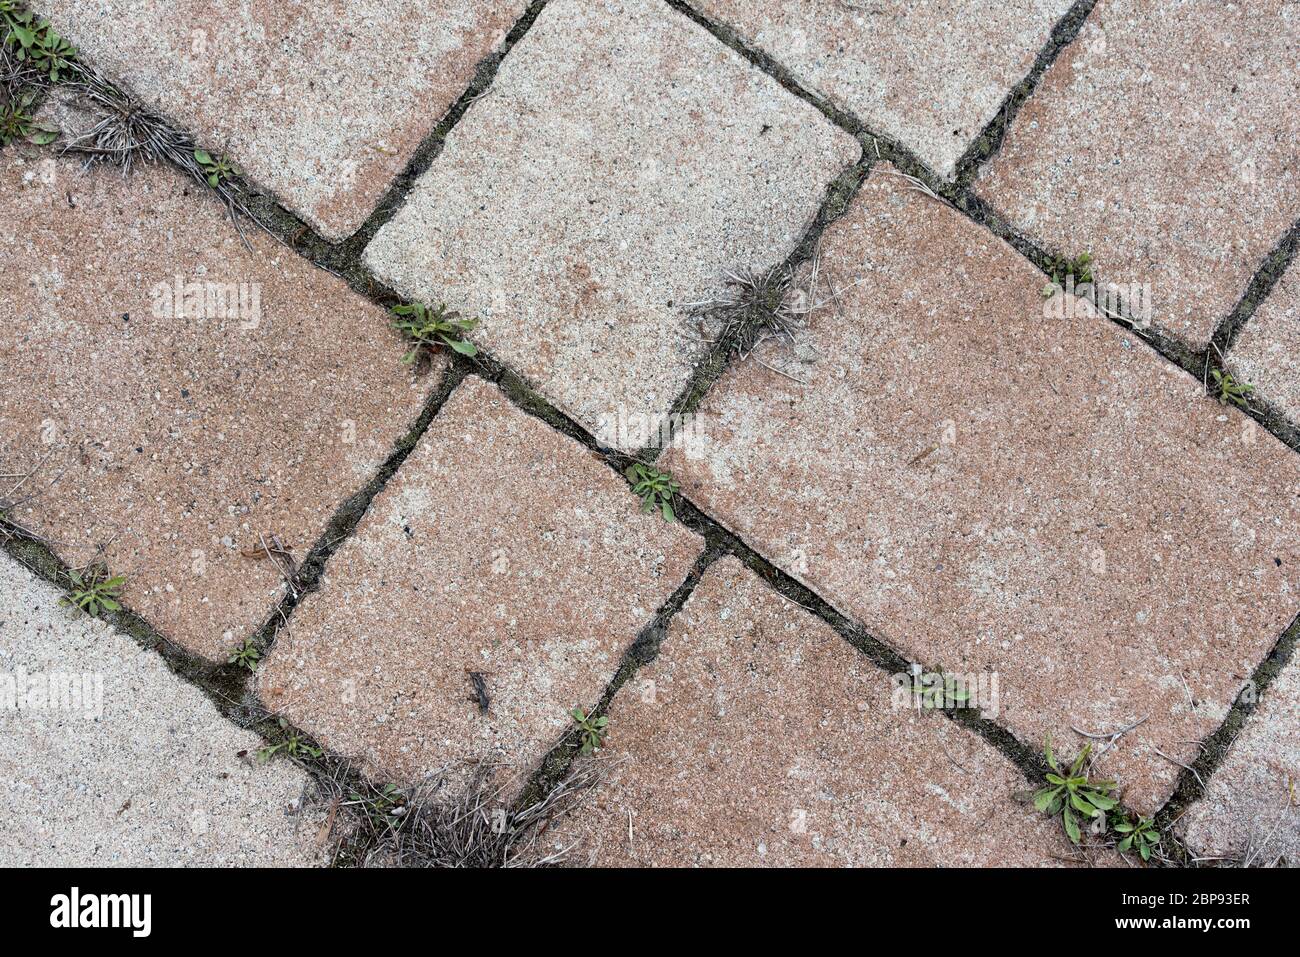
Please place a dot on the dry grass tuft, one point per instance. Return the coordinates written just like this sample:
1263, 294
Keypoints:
445, 825
126, 134
758, 306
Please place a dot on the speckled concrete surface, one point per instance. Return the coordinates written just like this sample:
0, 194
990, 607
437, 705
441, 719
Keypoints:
501, 547
987, 489
1252, 808
759, 737
929, 75
991, 483
180, 440
1267, 352
323, 102
1165, 141
622, 160
149, 777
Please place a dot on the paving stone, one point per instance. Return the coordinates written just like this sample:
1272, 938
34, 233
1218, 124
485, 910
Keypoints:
1267, 352
500, 547
108, 759
181, 442
758, 736
322, 103
1251, 805
578, 217
1165, 141
989, 490
930, 75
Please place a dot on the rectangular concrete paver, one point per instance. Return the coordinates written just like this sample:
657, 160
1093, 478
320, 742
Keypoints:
321, 102
181, 430
1267, 352
930, 75
501, 548
107, 759
989, 490
1252, 807
622, 160
759, 737
1165, 141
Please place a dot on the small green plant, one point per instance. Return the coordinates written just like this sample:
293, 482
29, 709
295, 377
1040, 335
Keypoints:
216, 168
591, 731
656, 489
1139, 834
936, 690
1228, 390
1072, 795
93, 591
430, 328
245, 655
18, 122
1062, 268
36, 42
294, 745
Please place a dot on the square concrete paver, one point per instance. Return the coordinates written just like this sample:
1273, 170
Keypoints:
1252, 807
758, 737
1165, 141
323, 103
107, 759
989, 490
1267, 352
930, 75
502, 548
179, 437
622, 160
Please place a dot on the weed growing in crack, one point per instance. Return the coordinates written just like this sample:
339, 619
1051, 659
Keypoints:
35, 42
1072, 794
947, 692
1061, 268
382, 805
591, 731
245, 655
656, 489
1230, 391
17, 121
429, 328
1140, 834
16, 72
294, 745
216, 169
93, 591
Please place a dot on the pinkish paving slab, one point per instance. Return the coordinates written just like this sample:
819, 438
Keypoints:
622, 160
1251, 810
760, 737
929, 75
1267, 352
1165, 141
179, 430
321, 102
992, 491
502, 548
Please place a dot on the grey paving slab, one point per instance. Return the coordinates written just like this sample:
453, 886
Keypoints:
107, 759
622, 160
